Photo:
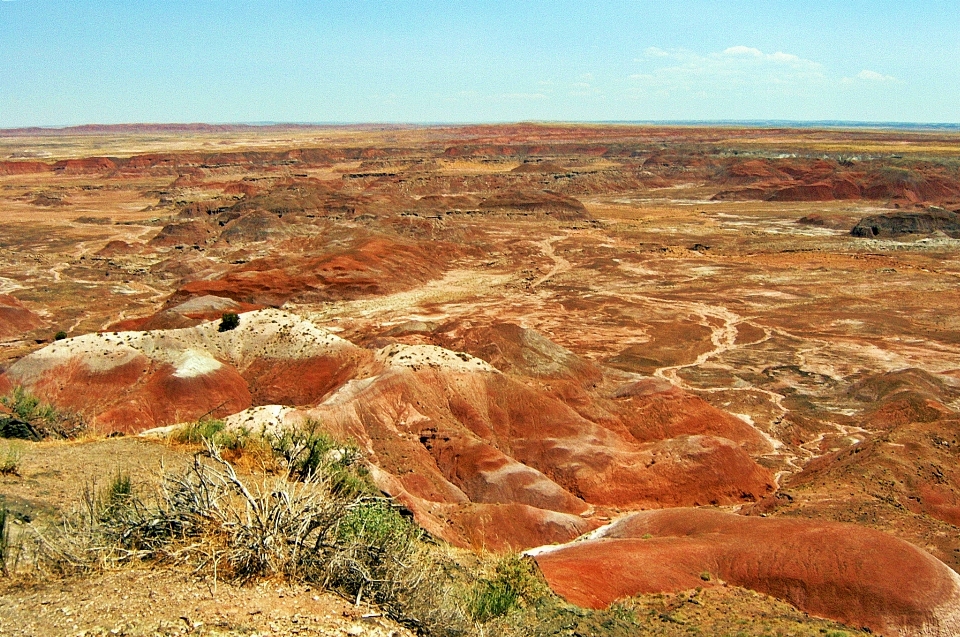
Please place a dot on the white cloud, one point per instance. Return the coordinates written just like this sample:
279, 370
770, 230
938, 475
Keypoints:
654, 52
873, 76
733, 69
744, 50
523, 96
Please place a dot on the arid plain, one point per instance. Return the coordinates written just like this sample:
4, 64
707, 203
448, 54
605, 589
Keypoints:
740, 346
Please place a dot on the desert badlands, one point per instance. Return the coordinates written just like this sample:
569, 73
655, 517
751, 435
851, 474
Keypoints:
667, 370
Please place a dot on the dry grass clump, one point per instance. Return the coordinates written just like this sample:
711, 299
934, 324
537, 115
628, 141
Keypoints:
10, 455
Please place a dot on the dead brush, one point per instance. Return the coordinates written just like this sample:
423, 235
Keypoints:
223, 525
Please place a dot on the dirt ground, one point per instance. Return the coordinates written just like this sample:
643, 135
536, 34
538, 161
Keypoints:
144, 601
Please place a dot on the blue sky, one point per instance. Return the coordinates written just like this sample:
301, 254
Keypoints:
107, 61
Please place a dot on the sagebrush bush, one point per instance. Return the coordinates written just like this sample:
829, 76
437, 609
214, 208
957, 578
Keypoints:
304, 451
514, 584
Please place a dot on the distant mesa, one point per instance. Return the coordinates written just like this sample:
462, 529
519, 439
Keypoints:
537, 202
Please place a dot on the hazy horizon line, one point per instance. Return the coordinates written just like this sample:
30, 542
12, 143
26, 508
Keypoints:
748, 123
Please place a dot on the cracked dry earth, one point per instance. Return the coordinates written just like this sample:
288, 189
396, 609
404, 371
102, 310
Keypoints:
616, 277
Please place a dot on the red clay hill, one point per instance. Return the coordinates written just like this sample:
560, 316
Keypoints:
462, 443
842, 571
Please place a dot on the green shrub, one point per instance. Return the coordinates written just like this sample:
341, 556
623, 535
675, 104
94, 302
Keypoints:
378, 524
307, 450
229, 321
59, 336
34, 420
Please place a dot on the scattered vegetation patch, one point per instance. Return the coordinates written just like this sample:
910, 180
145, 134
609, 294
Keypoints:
212, 431
28, 418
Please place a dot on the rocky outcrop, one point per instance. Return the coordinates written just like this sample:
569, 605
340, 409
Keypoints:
898, 224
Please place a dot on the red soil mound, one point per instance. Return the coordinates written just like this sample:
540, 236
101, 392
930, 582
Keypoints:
841, 571
15, 319
188, 233
374, 266
117, 248
254, 226
23, 167
131, 381
804, 192
141, 394
649, 414
188, 314
536, 202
